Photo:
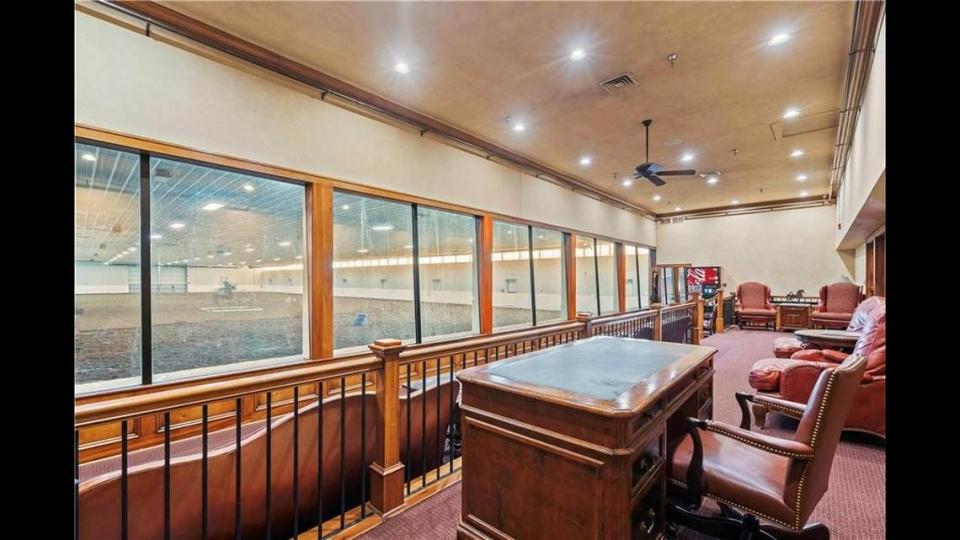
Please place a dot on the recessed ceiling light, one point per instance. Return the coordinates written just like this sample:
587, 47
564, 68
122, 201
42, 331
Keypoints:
578, 54
734, 202
627, 182
209, 207
361, 250
657, 197
778, 39
88, 157
285, 243
586, 160
345, 207
803, 193
796, 153
177, 225
519, 127
791, 113
677, 209
712, 180
248, 250
386, 227
401, 67
687, 157
156, 236
801, 177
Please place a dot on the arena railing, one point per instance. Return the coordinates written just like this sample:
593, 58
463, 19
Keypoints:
327, 447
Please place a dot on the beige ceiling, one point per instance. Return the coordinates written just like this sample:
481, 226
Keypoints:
472, 64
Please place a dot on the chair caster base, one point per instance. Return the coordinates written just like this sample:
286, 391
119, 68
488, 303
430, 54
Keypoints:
730, 524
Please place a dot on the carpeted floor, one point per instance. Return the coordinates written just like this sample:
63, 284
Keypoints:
854, 506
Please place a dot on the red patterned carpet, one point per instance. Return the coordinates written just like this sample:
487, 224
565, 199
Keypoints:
854, 506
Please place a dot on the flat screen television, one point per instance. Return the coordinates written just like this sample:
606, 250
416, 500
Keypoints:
703, 279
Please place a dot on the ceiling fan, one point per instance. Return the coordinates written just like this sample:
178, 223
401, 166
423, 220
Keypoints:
653, 171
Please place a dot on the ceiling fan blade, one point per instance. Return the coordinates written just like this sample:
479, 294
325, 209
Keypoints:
685, 172
656, 180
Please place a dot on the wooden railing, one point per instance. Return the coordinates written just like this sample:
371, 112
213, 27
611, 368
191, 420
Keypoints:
325, 445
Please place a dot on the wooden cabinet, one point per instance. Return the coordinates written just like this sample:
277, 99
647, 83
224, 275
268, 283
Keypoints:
794, 316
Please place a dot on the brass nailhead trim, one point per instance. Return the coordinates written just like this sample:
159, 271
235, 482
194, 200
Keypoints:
740, 506
756, 444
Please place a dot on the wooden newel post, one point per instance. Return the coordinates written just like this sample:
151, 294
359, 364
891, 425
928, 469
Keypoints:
718, 313
386, 471
697, 318
584, 317
658, 324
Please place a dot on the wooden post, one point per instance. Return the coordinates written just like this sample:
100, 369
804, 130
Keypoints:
319, 216
658, 324
386, 471
621, 260
584, 317
697, 318
485, 255
718, 313
570, 269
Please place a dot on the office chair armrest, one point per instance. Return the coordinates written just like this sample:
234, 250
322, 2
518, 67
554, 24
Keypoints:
791, 408
774, 445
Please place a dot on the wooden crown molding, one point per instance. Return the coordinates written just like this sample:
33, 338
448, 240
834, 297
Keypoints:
748, 208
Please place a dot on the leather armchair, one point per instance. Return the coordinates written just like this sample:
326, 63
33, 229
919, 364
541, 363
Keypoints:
778, 481
793, 379
837, 304
753, 306
785, 347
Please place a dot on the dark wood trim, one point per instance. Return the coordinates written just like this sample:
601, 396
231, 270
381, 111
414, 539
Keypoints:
621, 262
570, 270
220, 40
319, 216
869, 283
880, 265
485, 271
799, 202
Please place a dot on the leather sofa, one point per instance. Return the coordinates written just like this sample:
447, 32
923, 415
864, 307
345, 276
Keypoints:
785, 347
837, 304
793, 379
753, 306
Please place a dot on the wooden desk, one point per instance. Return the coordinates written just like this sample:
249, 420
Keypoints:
571, 441
829, 339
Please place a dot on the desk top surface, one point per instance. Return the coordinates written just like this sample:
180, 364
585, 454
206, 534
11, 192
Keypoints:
843, 335
607, 375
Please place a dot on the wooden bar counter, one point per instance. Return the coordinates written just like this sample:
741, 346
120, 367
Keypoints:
571, 441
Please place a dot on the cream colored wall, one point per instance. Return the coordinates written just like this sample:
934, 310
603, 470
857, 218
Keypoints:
133, 84
787, 249
866, 162
861, 264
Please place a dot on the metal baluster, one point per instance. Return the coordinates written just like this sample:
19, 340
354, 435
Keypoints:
166, 475
320, 456
343, 450
296, 461
204, 478
124, 532
450, 424
363, 445
76, 484
439, 440
423, 424
409, 459
269, 505
238, 516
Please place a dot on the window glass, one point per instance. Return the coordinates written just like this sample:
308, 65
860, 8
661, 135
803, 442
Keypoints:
448, 273
227, 269
372, 271
512, 305
630, 281
549, 276
669, 293
643, 255
586, 275
106, 268
607, 265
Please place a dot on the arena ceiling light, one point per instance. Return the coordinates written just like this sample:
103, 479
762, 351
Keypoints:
285, 243
386, 227
211, 206
177, 225
88, 157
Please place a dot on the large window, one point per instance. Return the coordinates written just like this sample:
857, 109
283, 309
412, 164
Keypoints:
549, 276
512, 301
225, 281
447, 247
372, 271
106, 268
644, 262
607, 277
631, 280
227, 267
586, 275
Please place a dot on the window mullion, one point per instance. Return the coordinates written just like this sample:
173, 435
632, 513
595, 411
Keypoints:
146, 287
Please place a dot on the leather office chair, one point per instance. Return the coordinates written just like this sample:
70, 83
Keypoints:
785, 347
792, 379
753, 306
837, 304
777, 480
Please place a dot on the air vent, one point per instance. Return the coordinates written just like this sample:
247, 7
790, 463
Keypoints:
618, 83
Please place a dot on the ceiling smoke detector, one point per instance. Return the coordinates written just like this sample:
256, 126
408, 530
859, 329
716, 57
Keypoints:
618, 83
